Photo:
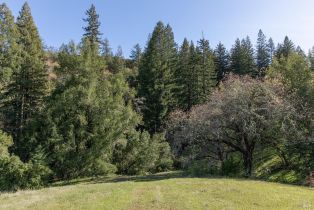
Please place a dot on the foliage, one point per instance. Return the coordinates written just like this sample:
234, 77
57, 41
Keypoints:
285, 49
9, 48
242, 58
88, 118
297, 78
85, 111
263, 54
18, 175
139, 154
92, 32
23, 97
295, 72
253, 114
156, 82
221, 61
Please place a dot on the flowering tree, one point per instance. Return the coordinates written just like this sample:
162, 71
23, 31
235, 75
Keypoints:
242, 114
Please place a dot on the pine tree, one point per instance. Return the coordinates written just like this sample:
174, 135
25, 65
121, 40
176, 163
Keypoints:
92, 32
248, 57
236, 57
132, 66
156, 82
24, 96
311, 58
9, 48
271, 49
193, 75
207, 75
183, 77
221, 61
285, 49
262, 54
299, 51
195, 87
106, 50
86, 114
242, 58
117, 63
136, 55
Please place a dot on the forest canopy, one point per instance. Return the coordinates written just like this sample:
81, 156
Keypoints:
84, 110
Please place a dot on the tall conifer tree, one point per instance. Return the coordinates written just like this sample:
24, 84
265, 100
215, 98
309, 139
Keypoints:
271, 49
236, 57
194, 68
207, 75
221, 61
136, 55
183, 76
262, 54
9, 49
106, 50
92, 31
118, 64
285, 49
242, 58
24, 96
156, 81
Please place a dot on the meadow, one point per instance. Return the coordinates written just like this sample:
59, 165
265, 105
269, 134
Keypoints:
162, 191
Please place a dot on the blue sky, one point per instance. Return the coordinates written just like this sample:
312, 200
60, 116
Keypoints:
127, 22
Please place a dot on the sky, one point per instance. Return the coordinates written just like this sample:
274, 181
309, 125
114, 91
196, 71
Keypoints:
128, 22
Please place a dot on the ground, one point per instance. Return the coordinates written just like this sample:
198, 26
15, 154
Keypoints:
162, 191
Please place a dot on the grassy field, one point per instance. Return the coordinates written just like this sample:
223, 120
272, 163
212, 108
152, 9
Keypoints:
162, 191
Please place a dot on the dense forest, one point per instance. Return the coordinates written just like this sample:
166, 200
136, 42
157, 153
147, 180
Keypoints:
83, 110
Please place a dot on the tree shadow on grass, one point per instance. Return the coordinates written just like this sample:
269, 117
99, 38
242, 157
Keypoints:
143, 178
121, 178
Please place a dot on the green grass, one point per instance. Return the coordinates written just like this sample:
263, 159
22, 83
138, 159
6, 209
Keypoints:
162, 191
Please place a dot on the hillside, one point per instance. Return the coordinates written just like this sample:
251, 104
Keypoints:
162, 191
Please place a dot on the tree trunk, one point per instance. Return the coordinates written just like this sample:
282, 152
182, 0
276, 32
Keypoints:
248, 163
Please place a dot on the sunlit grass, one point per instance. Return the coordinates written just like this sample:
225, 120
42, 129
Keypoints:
162, 191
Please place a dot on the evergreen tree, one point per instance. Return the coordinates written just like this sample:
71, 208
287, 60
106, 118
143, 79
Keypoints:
92, 32
106, 50
24, 96
86, 114
249, 61
131, 72
68, 60
271, 49
299, 51
262, 54
136, 55
196, 74
242, 58
183, 77
236, 57
311, 58
9, 48
193, 76
221, 61
207, 75
285, 49
156, 82
117, 63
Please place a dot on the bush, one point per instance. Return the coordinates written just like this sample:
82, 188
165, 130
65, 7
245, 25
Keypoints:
232, 166
101, 167
140, 153
201, 168
164, 160
14, 174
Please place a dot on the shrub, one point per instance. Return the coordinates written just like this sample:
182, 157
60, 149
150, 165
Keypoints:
140, 153
14, 174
